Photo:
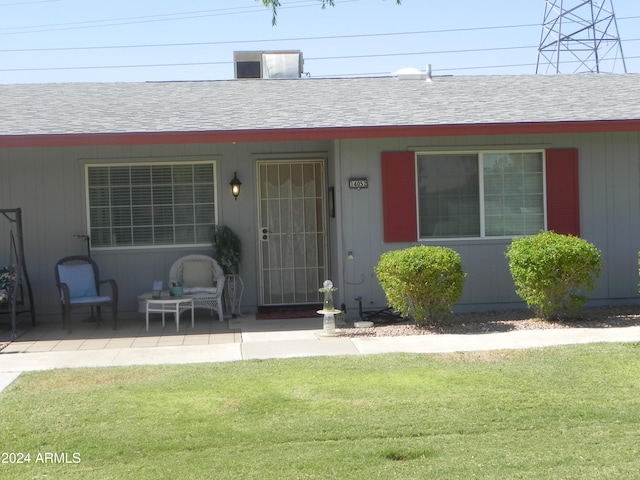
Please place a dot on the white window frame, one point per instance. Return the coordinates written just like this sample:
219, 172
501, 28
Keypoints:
480, 154
165, 163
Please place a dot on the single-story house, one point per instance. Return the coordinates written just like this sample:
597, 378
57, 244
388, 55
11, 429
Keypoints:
334, 172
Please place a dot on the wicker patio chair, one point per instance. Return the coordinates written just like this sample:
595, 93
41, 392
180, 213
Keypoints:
201, 277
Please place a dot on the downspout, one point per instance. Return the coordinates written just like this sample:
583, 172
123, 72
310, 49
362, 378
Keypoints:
340, 254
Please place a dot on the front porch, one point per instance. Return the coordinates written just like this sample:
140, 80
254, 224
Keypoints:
48, 346
50, 336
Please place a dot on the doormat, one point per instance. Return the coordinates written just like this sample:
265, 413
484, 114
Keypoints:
277, 313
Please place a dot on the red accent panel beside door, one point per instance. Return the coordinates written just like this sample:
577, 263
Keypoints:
563, 191
399, 196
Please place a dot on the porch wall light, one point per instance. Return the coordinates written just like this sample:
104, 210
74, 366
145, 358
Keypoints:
235, 186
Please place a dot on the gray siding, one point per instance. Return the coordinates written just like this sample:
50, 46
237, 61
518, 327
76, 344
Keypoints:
48, 184
610, 214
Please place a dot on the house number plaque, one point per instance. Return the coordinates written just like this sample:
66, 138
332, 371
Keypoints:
358, 183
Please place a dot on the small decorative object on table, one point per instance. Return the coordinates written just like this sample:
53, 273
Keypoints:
157, 289
176, 290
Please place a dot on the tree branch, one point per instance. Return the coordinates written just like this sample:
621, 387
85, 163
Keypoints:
275, 4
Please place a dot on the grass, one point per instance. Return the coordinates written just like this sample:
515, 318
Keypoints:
561, 413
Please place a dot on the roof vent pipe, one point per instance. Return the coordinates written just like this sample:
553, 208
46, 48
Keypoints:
409, 74
428, 72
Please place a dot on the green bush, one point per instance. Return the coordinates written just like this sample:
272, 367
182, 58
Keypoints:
552, 272
227, 248
422, 282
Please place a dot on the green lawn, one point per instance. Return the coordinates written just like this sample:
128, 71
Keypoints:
558, 413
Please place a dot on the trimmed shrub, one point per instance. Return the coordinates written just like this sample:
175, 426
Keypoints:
552, 272
422, 282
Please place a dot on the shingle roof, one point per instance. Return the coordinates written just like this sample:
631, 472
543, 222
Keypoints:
80, 108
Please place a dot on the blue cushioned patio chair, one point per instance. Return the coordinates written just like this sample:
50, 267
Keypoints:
79, 284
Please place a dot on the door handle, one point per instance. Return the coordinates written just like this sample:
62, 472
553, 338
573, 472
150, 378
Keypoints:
265, 233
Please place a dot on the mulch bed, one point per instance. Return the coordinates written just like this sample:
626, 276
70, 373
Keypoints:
505, 321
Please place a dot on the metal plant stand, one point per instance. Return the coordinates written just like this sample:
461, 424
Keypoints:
233, 291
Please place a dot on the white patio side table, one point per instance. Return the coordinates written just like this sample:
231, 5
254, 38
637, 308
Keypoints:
175, 305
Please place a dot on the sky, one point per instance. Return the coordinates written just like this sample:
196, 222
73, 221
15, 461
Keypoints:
54, 41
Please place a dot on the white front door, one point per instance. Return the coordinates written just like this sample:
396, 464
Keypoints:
292, 231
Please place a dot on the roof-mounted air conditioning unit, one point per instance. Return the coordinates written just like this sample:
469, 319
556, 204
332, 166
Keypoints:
268, 64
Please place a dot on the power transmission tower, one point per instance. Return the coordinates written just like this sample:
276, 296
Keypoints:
580, 36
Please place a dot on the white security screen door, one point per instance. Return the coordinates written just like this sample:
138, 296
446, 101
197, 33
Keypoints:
293, 246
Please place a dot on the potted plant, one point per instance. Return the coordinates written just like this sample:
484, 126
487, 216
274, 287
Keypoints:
7, 282
227, 248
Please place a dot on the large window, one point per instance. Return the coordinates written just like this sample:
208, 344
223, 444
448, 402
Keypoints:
151, 204
484, 194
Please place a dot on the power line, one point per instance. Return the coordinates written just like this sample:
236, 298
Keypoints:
444, 71
304, 3
153, 18
115, 22
272, 40
470, 50
269, 40
307, 59
343, 57
19, 4
187, 64
296, 39
194, 14
319, 76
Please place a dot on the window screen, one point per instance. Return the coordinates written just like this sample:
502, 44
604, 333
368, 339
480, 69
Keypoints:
151, 204
481, 194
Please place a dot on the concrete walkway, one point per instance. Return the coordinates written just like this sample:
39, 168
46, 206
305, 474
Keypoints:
48, 346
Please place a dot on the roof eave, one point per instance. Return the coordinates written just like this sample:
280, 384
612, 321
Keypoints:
321, 133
